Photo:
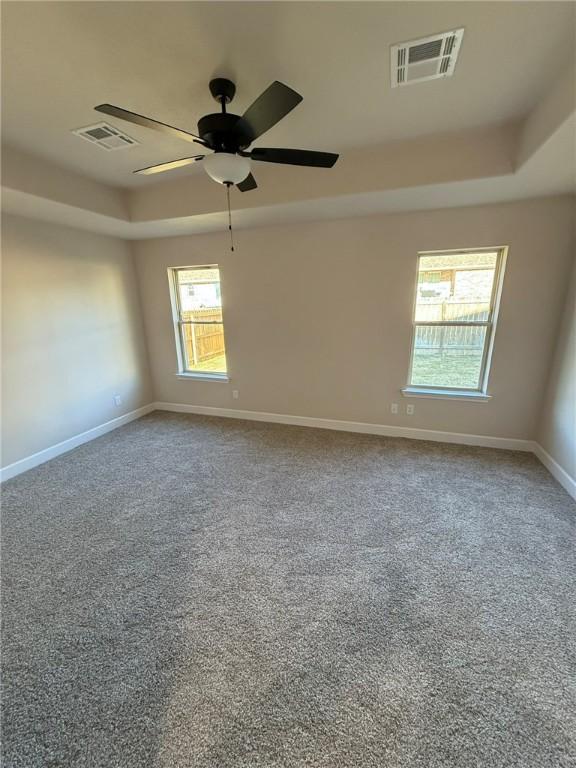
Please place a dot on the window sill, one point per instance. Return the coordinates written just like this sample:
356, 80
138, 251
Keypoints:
446, 394
204, 376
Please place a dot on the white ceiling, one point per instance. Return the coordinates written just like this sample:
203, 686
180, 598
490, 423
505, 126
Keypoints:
62, 58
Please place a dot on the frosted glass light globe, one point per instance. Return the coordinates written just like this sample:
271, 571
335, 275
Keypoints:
226, 168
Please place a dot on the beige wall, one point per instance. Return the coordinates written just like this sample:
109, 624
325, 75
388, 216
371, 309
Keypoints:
72, 335
318, 316
557, 432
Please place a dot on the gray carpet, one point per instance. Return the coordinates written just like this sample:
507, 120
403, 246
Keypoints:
192, 591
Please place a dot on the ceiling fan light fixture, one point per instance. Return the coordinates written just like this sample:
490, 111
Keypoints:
227, 168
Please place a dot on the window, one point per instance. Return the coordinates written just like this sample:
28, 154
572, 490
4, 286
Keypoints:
454, 319
198, 321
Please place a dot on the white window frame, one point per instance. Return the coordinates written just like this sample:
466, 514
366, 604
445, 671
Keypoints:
479, 393
184, 372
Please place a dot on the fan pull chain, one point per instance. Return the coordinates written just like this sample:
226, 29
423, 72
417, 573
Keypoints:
230, 218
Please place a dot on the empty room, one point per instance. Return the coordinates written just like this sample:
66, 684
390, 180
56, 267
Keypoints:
288, 467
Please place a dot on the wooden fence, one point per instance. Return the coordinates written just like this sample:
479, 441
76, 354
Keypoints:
452, 311
203, 334
463, 339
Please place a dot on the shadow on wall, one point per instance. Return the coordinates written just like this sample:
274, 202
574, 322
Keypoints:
72, 335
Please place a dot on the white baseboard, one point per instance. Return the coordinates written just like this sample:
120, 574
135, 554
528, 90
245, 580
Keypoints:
11, 470
353, 426
486, 441
558, 472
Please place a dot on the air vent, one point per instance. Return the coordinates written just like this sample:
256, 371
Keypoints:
425, 59
105, 136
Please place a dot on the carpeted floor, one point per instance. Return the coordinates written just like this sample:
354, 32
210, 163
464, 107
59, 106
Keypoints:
199, 592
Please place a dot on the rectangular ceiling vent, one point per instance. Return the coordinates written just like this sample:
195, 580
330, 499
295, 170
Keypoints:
106, 136
426, 59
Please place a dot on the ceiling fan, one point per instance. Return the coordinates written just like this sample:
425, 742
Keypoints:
229, 136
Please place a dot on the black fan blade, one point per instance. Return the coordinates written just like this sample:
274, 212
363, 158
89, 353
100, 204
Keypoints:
146, 122
294, 157
270, 107
161, 167
248, 184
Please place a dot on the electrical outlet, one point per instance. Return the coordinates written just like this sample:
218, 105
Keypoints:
394, 408
117, 401
410, 410
235, 394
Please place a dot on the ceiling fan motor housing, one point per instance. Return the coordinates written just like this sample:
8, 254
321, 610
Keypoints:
222, 133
